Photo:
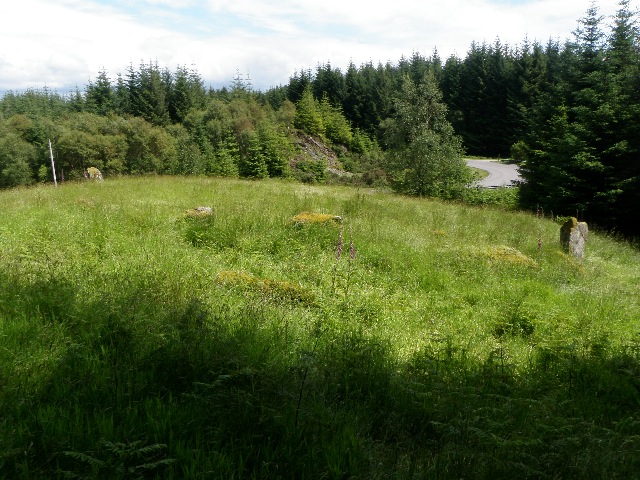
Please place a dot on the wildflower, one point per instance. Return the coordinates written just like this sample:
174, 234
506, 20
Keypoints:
339, 250
352, 250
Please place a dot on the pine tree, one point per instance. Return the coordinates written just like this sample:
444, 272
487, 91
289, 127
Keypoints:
329, 81
308, 115
337, 128
584, 153
187, 92
425, 154
623, 59
473, 100
253, 162
451, 85
100, 95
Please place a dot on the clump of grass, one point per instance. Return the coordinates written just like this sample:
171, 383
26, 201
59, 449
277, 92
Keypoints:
352, 255
509, 255
271, 288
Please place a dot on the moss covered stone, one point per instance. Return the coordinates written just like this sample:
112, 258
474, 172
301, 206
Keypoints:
314, 217
573, 237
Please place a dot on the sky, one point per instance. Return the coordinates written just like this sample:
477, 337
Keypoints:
64, 44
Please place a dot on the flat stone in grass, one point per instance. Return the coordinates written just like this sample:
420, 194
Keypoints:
573, 237
199, 212
314, 217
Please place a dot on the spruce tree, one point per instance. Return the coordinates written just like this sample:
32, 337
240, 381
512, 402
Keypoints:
100, 95
425, 154
308, 115
623, 60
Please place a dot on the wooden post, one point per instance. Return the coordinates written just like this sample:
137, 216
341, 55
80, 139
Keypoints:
53, 166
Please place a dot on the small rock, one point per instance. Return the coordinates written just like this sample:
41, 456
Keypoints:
199, 212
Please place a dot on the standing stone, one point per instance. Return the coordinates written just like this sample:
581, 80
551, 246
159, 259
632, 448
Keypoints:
573, 236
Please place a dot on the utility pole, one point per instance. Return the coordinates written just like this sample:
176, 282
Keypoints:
53, 165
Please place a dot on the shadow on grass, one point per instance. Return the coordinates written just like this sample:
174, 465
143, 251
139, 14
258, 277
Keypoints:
144, 390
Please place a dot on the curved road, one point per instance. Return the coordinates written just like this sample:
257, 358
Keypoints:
500, 174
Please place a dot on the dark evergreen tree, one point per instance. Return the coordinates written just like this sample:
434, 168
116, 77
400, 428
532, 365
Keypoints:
498, 133
530, 91
276, 96
583, 154
623, 59
329, 81
336, 127
276, 148
122, 95
298, 84
186, 92
473, 100
354, 103
148, 90
100, 95
253, 161
451, 86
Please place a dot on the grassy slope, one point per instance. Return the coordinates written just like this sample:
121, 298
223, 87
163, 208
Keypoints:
450, 346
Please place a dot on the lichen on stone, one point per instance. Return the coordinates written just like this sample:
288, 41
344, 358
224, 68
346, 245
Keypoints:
199, 212
315, 217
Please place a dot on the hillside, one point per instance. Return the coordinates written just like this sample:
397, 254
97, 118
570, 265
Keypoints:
408, 338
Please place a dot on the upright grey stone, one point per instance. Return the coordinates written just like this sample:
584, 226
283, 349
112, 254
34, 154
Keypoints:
573, 237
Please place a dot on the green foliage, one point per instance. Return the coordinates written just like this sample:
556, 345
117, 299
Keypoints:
89, 140
122, 460
520, 151
336, 126
504, 197
569, 111
582, 150
16, 158
426, 154
226, 159
276, 148
253, 163
311, 171
309, 115
100, 95
149, 148
33, 104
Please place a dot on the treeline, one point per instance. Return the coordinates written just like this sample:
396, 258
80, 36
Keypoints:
153, 120
569, 112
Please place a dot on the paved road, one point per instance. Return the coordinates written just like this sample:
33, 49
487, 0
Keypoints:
500, 174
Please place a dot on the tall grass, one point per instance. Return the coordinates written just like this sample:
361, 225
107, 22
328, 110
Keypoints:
456, 341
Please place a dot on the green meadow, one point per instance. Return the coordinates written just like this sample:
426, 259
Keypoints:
413, 339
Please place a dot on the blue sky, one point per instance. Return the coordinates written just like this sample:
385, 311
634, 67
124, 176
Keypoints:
62, 44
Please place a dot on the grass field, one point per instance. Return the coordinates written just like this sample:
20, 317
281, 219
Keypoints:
412, 339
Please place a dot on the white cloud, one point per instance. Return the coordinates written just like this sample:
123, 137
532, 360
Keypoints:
64, 43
